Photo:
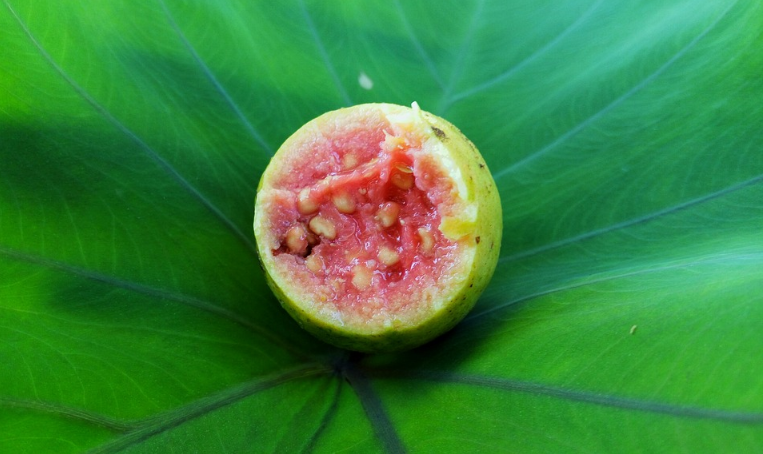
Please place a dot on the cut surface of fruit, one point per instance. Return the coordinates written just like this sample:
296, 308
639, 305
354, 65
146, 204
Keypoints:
369, 226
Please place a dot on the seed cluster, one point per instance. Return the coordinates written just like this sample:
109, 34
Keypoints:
316, 225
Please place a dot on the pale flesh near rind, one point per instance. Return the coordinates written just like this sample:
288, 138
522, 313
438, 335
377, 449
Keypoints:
469, 211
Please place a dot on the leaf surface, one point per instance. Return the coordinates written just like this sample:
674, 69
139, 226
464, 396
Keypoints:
625, 313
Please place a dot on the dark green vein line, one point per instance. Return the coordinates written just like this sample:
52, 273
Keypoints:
154, 292
328, 417
154, 426
534, 56
149, 151
417, 44
382, 425
725, 258
606, 109
214, 81
458, 65
68, 412
324, 54
636, 221
625, 403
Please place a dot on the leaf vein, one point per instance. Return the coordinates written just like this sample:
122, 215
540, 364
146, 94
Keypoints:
534, 56
635, 221
68, 412
591, 397
326, 420
377, 415
458, 66
150, 291
153, 426
149, 151
622, 98
606, 278
417, 44
214, 81
324, 54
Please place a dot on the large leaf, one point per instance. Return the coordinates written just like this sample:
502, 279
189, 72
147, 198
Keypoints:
626, 139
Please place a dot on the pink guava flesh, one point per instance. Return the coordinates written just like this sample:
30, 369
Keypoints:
357, 220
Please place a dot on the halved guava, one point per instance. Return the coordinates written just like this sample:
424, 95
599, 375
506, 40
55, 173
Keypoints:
378, 226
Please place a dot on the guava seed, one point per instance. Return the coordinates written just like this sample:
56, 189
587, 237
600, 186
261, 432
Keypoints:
296, 239
314, 263
402, 180
350, 161
361, 277
306, 204
388, 256
323, 227
344, 203
427, 240
388, 213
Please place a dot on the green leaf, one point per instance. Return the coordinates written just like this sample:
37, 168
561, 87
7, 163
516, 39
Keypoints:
626, 142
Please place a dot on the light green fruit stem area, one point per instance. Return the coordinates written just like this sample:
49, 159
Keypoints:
480, 234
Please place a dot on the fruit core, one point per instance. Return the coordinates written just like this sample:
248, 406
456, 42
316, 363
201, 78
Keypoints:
366, 235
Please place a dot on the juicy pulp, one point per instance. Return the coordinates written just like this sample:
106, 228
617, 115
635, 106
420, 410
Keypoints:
367, 226
365, 238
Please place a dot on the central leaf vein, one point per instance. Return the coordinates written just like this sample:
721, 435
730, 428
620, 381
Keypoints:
372, 404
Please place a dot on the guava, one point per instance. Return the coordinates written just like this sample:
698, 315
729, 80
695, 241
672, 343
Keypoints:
378, 226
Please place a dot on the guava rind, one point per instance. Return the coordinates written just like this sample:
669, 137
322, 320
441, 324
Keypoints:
487, 230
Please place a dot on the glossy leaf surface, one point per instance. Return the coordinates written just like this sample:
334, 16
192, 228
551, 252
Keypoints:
626, 142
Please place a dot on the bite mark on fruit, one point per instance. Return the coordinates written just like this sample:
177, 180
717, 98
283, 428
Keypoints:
369, 224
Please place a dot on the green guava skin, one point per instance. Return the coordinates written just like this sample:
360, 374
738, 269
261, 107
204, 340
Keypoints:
487, 237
